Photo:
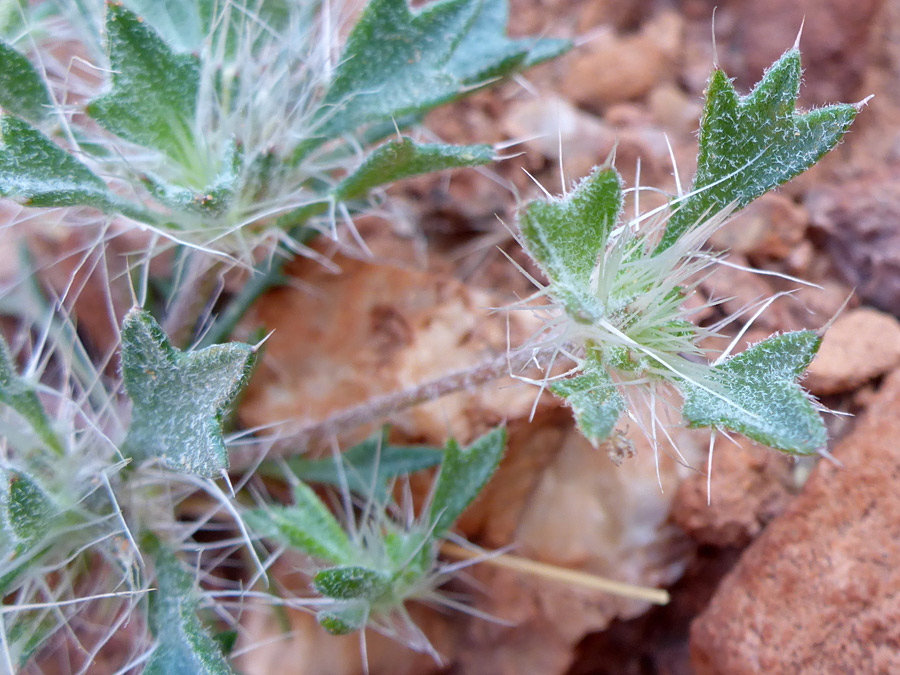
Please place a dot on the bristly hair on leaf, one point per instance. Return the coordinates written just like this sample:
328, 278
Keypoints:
179, 398
620, 288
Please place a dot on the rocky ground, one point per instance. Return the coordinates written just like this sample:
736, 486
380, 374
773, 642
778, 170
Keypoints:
793, 567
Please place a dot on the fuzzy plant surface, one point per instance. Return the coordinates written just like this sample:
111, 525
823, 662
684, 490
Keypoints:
225, 125
386, 559
214, 131
620, 286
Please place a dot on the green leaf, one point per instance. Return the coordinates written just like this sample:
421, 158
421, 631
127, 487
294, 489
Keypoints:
183, 24
31, 511
184, 647
566, 236
345, 619
370, 464
352, 583
761, 139
596, 402
396, 160
154, 91
485, 52
21, 397
307, 526
213, 200
464, 473
756, 393
179, 398
22, 89
34, 171
394, 63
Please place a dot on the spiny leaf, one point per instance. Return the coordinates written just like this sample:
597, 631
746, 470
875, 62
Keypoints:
596, 402
307, 526
27, 516
370, 464
213, 200
566, 236
179, 398
396, 160
393, 63
352, 583
183, 24
485, 52
154, 91
760, 138
345, 619
184, 647
758, 395
20, 396
464, 472
22, 89
36, 172
29, 509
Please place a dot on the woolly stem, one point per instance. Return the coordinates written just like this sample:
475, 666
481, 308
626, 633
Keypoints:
381, 407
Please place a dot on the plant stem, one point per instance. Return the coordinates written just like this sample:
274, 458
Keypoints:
383, 406
657, 596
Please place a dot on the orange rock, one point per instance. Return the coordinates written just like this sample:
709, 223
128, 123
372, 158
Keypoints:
612, 68
817, 591
770, 227
750, 486
862, 344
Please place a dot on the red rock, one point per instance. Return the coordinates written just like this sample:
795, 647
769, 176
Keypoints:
861, 345
612, 68
817, 592
859, 219
751, 485
770, 228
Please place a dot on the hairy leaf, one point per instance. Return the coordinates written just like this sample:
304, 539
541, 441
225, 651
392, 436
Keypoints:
756, 393
307, 526
394, 63
344, 619
485, 52
214, 199
184, 647
755, 143
183, 24
396, 160
27, 515
29, 508
596, 402
464, 472
34, 171
566, 236
352, 583
367, 466
179, 398
154, 91
21, 397
22, 89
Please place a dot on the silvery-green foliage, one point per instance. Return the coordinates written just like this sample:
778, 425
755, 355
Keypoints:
179, 398
385, 562
228, 123
366, 469
183, 645
752, 144
621, 285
